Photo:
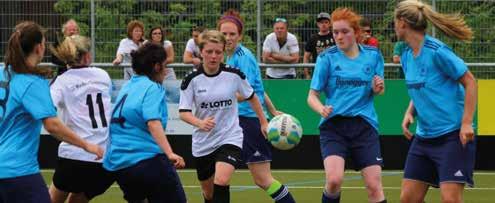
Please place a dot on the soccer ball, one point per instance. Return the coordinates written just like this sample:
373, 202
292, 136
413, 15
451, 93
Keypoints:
284, 132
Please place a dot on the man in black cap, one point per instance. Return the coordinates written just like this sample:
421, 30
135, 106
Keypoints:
318, 42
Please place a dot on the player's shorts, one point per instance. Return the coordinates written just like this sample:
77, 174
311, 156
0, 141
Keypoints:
205, 165
154, 179
24, 189
440, 159
255, 147
82, 176
351, 136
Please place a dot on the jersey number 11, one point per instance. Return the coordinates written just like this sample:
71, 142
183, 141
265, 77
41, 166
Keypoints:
99, 101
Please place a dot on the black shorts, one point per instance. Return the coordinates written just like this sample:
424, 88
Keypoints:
82, 176
205, 165
154, 179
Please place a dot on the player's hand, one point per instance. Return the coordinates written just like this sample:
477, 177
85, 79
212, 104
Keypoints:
116, 61
378, 84
196, 61
177, 160
207, 124
466, 134
408, 120
276, 113
94, 149
264, 128
326, 111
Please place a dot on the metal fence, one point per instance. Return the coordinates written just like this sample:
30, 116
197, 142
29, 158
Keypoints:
105, 20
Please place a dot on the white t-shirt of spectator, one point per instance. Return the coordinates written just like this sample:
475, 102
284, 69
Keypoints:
170, 71
271, 45
215, 96
193, 48
126, 46
83, 97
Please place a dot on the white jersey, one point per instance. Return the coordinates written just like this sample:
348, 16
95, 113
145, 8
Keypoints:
271, 45
215, 96
83, 97
126, 46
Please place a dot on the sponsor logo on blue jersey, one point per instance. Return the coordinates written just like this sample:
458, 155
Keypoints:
343, 82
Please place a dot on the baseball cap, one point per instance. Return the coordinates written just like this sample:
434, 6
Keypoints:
322, 16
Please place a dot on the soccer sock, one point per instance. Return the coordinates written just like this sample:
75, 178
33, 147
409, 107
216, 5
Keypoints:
280, 193
330, 198
221, 194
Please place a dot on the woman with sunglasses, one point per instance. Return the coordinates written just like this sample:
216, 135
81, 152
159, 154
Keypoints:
349, 75
256, 151
157, 36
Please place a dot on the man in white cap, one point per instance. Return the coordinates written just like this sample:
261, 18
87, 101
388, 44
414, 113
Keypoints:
318, 42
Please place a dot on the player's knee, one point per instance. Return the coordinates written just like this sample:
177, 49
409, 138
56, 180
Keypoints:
262, 182
451, 199
222, 180
407, 197
374, 190
334, 182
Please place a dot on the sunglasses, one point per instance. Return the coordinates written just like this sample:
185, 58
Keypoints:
367, 31
156, 33
281, 20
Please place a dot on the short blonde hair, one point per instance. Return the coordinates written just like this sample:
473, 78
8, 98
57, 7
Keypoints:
212, 36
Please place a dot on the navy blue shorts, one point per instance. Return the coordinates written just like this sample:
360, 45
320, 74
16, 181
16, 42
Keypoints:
440, 159
154, 179
354, 136
205, 165
24, 189
255, 147
82, 176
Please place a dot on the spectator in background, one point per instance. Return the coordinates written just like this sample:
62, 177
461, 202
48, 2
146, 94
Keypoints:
69, 28
398, 49
157, 36
280, 46
367, 36
318, 42
191, 53
135, 32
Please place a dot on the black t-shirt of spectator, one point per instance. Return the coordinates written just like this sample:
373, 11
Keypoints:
317, 43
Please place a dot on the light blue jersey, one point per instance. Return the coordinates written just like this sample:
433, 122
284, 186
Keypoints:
24, 101
432, 83
244, 60
140, 100
347, 83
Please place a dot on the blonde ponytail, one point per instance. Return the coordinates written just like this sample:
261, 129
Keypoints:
72, 49
416, 13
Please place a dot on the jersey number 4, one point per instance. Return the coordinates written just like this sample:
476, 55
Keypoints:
99, 102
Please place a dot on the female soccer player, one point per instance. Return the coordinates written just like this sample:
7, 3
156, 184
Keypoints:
443, 98
139, 154
213, 92
82, 94
134, 39
25, 105
350, 75
256, 150
157, 35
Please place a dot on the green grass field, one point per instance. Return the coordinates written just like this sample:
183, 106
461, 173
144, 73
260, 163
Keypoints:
307, 185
